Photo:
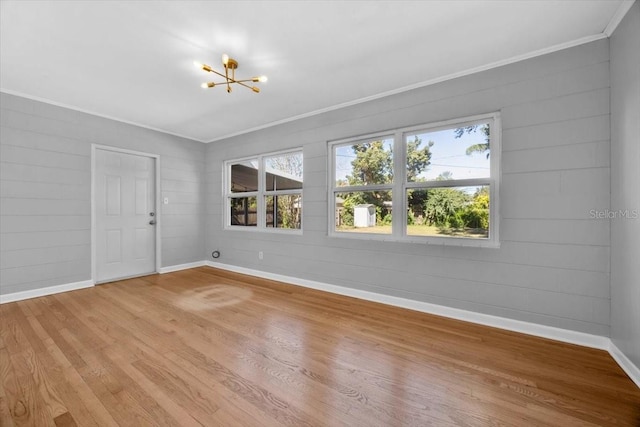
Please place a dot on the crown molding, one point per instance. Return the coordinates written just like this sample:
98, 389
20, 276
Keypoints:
93, 113
617, 17
470, 71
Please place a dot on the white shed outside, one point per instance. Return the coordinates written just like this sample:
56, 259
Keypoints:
364, 215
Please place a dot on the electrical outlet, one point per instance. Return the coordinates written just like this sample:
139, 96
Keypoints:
260, 255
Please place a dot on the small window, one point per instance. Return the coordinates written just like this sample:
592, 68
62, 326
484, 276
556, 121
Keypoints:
363, 178
434, 183
265, 192
437, 162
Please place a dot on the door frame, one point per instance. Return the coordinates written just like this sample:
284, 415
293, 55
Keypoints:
158, 216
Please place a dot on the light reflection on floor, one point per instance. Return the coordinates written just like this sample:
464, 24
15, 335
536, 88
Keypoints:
213, 297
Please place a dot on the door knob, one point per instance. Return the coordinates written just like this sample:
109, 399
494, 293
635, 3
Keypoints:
152, 222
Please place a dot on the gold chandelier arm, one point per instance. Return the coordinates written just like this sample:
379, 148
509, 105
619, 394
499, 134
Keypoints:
230, 81
215, 72
253, 88
226, 76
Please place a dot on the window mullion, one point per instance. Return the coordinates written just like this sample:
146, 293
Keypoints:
282, 192
331, 175
373, 187
399, 218
449, 183
261, 205
226, 190
495, 140
243, 195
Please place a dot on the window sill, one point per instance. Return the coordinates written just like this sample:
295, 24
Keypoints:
428, 241
296, 232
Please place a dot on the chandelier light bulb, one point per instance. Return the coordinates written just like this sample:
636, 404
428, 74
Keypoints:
225, 59
262, 79
197, 64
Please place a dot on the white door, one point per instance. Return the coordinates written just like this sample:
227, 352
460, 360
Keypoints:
124, 215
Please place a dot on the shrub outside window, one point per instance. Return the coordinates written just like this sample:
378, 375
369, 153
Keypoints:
442, 177
264, 192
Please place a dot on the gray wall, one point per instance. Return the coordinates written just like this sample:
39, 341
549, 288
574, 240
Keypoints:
553, 265
625, 184
45, 192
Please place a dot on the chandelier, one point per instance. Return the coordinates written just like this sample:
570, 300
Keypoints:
230, 66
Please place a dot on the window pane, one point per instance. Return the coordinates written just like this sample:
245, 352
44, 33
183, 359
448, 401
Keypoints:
244, 176
449, 211
364, 212
283, 172
364, 163
456, 153
244, 211
284, 211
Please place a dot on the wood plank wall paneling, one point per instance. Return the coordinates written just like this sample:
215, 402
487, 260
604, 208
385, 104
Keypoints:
45, 192
211, 347
553, 264
625, 185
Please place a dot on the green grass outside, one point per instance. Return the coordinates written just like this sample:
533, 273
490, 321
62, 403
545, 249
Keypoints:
422, 230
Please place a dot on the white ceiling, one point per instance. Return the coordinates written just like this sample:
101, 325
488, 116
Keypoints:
133, 60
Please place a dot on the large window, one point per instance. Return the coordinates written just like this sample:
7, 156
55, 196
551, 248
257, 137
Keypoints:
265, 192
434, 183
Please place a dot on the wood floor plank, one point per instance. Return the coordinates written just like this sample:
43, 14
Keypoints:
35, 408
64, 403
211, 347
11, 391
166, 401
65, 420
84, 396
253, 393
37, 362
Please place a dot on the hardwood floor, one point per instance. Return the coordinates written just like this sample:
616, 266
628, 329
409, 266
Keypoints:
213, 348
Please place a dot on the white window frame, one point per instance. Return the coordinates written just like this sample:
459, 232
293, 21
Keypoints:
260, 195
399, 186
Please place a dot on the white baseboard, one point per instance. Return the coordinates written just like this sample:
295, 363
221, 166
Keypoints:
627, 365
558, 334
179, 267
550, 332
50, 290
